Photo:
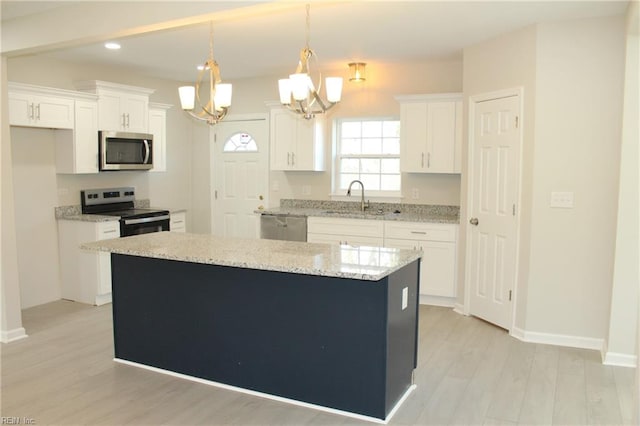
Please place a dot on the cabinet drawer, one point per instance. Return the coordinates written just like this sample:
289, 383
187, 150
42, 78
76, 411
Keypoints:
108, 230
345, 227
421, 231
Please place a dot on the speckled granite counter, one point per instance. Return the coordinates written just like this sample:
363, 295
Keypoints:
376, 211
363, 263
75, 213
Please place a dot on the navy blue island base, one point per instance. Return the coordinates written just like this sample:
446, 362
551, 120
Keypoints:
346, 344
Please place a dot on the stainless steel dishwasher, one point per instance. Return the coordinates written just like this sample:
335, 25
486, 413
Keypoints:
283, 227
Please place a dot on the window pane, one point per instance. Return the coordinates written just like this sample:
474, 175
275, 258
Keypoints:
390, 182
350, 146
349, 165
346, 178
390, 165
240, 142
351, 129
371, 182
391, 146
371, 146
371, 129
391, 129
370, 165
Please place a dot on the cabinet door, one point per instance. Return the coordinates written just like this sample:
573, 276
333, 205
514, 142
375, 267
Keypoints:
438, 268
109, 115
54, 113
86, 137
178, 222
441, 134
136, 112
105, 231
283, 136
20, 109
413, 137
158, 128
323, 238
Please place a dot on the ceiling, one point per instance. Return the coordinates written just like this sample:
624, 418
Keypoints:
376, 32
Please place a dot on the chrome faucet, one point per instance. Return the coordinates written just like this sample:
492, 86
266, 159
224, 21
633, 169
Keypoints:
362, 206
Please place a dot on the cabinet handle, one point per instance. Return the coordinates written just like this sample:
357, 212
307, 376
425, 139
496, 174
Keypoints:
178, 221
128, 122
112, 231
428, 160
288, 158
31, 116
123, 122
422, 162
419, 232
293, 158
38, 112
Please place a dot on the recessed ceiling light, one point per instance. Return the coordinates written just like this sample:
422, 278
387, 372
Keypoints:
112, 45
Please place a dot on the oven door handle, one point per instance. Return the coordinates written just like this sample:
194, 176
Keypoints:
147, 151
145, 220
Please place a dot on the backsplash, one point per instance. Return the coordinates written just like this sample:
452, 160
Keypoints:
430, 209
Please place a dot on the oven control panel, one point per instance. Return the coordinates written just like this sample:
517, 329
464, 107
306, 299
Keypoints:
93, 197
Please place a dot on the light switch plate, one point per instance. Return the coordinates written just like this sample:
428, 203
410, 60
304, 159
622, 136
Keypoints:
405, 298
563, 200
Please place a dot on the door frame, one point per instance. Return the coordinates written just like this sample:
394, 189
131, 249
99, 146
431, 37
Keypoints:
473, 101
212, 175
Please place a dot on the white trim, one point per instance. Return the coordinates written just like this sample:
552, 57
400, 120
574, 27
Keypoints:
557, 339
103, 299
620, 360
473, 100
459, 308
447, 302
429, 97
273, 397
13, 335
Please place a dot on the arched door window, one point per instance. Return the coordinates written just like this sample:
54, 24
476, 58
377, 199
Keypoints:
240, 142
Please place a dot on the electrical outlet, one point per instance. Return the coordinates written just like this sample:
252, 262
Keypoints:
562, 200
415, 193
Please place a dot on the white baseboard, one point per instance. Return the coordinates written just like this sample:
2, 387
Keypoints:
459, 308
620, 360
102, 299
447, 302
13, 335
558, 339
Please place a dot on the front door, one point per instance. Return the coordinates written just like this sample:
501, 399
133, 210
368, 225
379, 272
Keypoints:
240, 175
494, 160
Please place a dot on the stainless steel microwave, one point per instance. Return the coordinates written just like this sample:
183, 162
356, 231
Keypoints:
125, 151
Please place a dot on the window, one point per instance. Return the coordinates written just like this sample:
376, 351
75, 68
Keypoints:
368, 150
240, 142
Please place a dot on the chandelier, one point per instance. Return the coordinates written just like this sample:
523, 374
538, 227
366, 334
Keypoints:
219, 94
298, 92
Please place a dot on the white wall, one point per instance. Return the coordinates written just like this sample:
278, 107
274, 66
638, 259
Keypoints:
622, 336
579, 85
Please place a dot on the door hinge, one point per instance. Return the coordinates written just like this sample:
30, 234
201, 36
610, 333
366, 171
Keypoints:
517, 120
514, 210
215, 194
509, 295
215, 138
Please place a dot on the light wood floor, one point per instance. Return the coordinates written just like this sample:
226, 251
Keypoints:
469, 373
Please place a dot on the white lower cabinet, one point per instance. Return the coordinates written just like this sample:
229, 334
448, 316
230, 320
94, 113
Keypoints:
178, 222
85, 275
355, 232
438, 264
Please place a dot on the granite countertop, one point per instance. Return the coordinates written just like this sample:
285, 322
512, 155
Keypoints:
362, 263
75, 213
376, 211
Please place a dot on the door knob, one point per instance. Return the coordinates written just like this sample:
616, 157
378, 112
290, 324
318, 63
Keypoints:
474, 221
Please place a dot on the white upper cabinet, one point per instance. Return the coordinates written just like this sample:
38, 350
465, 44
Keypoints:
158, 128
34, 106
120, 107
430, 133
296, 143
77, 150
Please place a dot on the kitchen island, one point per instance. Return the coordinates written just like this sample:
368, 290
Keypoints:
334, 327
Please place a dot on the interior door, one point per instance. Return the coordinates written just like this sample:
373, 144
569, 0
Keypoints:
494, 157
240, 176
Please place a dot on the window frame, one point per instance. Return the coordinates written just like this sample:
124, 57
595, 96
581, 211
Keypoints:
338, 193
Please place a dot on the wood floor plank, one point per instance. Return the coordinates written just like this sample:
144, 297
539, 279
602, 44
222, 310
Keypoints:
469, 373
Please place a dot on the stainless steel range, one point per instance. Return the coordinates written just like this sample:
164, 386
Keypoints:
120, 202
